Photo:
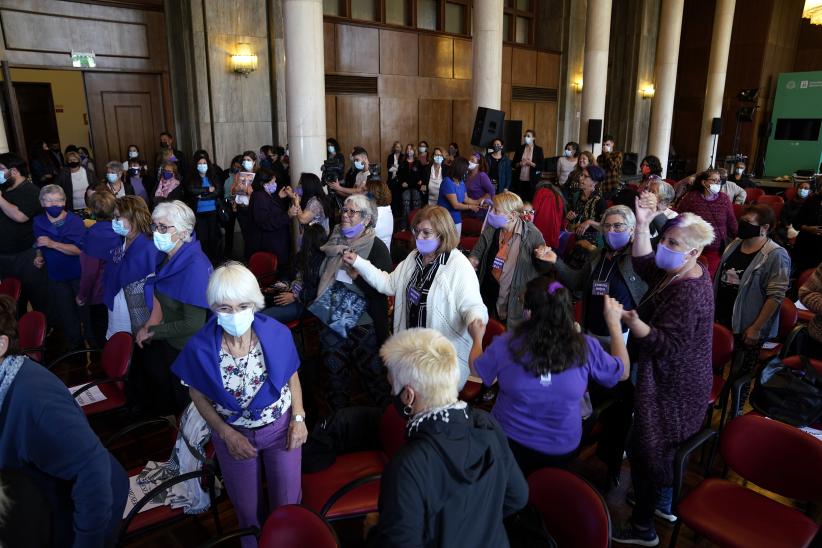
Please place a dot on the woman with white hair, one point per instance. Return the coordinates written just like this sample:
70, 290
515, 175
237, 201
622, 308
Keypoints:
59, 236
114, 180
176, 296
241, 370
355, 314
671, 333
435, 286
456, 462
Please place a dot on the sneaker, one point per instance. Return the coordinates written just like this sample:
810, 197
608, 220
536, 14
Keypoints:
628, 533
659, 511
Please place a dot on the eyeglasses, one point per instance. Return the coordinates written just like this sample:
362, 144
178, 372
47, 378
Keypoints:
161, 228
617, 227
228, 309
712, 180
350, 212
425, 234
527, 211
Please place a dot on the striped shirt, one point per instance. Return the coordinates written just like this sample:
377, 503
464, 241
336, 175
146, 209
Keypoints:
418, 287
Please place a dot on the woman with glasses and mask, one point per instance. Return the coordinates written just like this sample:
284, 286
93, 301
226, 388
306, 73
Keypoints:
354, 313
499, 166
115, 181
168, 187
435, 286
241, 370
176, 296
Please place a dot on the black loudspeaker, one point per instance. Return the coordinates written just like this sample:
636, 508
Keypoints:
716, 126
487, 127
630, 163
513, 134
594, 131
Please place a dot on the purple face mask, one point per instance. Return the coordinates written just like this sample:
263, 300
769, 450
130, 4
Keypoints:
271, 188
351, 232
426, 247
668, 259
617, 240
497, 221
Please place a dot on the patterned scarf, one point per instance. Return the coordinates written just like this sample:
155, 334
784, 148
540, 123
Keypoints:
8, 371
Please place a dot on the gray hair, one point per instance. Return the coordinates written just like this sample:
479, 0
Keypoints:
623, 211
234, 282
49, 190
179, 215
116, 167
665, 192
366, 205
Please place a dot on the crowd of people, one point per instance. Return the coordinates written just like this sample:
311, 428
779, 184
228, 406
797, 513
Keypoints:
593, 278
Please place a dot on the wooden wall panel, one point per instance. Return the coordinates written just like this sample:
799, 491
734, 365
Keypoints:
331, 116
435, 122
358, 122
506, 64
524, 111
523, 67
463, 59
329, 47
399, 53
548, 70
399, 121
357, 49
505, 99
545, 124
436, 56
463, 125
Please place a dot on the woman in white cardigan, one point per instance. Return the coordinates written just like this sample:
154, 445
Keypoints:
434, 287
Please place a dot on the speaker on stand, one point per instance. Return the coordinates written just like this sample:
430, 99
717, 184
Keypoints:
488, 125
594, 132
716, 129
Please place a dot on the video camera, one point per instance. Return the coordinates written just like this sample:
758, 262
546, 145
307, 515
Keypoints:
332, 170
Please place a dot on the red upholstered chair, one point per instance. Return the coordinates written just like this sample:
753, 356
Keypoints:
467, 243
471, 226
392, 431
575, 514
295, 526
738, 209
774, 456
788, 316
32, 331
11, 287
790, 193
753, 194
472, 389
405, 236
770, 199
804, 316
264, 267
115, 360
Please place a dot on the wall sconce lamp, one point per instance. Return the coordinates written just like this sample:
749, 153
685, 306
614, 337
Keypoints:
647, 92
244, 60
577, 85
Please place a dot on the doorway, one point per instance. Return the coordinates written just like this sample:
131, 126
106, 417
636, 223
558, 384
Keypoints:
36, 104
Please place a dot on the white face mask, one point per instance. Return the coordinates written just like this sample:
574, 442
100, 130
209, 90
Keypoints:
715, 188
236, 324
739, 171
423, 149
804, 193
472, 166
247, 165
202, 168
529, 140
606, 148
132, 154
568, 152
331, 149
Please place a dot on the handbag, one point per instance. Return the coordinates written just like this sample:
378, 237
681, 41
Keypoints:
789, 395
340, 308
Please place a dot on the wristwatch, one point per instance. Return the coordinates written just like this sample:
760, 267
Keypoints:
298, 418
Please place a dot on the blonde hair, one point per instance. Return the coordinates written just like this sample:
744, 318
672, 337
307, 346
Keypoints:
696, 231
424, 360
508, 202
234, 282
180, 215
442, 223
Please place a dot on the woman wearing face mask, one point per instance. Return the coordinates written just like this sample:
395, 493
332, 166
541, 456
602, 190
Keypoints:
138, 177
168, 186
478, 186
435, 286
114, 180
528, 162
706, 199
203, 193
452, 194
651, 170
235, 167
132, 153
59, 235
455, 463
176, 296
334, 152
584, 210
808, 247
741, 177
423, 156
499, 166
313, 206
75, 180
270, 226
543, 368
241, 370
786, 230
670, 344
411, 182
241, 192
572, 184
357, 324
750, 284
434, 175
135, 259
567, 162
392, 163
505, 258
453, 154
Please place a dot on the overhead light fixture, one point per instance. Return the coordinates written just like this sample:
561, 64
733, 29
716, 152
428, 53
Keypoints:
577, 85
647, 92
244, 60
748, 95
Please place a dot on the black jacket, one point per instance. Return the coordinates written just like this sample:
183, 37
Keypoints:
450, 485
538, 158
64, 180
411, 173
194, 190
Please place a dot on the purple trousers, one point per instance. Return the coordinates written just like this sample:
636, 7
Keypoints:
243, 477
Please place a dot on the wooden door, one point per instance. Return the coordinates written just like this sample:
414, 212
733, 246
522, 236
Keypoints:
126, 109
36, 105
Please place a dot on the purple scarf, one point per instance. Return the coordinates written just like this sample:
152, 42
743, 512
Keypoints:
70, 231
139, 260
183, 278
198, 365
101, 242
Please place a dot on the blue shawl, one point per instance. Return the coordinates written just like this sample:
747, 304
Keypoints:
183, 278
198, 365
101, 242
139, 260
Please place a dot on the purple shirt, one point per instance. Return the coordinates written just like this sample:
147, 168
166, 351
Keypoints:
543, 413
479, 185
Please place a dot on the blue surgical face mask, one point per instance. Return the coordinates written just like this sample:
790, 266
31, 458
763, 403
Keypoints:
133, 154
668, 259
54, 211
236, 324
438, 159
617, 240
248, 165
804, 193
359, 165
426, 247
331, 149
111, 177
163, 242
352, 232
497, 221
529, 140
167, 175
119, 228
3, 177
202, 168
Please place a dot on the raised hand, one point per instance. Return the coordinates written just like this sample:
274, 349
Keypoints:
545, 253
645, 208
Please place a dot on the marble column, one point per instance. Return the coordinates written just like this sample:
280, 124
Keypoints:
667, 60
715, 89
304, 85
487, 53
4, 143
595, 69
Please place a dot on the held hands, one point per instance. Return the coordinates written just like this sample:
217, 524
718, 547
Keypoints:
284, 299
293, 211
44, 241
143, 336
297, 434
645, 208
630, 318
612, 311
583, 227
238, 445
545, 253
349, 256
39, 261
